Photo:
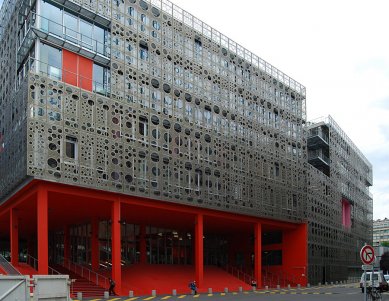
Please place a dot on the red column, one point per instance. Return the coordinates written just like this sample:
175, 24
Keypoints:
142, 244
258, 254
295, 253
66, 244
116, 245
199, 255
14, 235
95, 252
42, 229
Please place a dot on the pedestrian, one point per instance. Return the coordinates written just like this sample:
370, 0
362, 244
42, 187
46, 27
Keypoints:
111, 290
193, 287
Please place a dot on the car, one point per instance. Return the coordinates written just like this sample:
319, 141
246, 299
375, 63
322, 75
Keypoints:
386, 278
379, 281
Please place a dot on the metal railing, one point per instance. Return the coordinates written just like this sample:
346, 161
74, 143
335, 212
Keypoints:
86, 273
43, 24
280, 278
318, 132
40, 67
238, 273
313, 154
7, 267
33, 262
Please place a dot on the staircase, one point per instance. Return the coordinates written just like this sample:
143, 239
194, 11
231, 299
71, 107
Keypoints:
7, 268
80, 284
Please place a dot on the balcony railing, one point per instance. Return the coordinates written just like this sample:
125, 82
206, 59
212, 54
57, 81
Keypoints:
62, 36
318, 154
317, 132
55, 73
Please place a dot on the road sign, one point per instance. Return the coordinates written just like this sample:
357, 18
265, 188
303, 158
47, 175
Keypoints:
367, 267
367, 254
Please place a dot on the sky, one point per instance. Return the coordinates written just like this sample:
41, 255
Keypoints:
337, 49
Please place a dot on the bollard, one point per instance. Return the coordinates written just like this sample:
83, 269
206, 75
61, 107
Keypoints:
131, 294
226, 289
266, 287
106, 295
326, 283
210, 290
174, 292
288, 286
79, 296
154, 293
299, 286
336, 282
308, 285
240, 289
278, 286
254, 288
332, 283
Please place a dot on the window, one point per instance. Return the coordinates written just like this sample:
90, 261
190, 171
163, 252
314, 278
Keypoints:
101, 79
143, 126
51, 20
65, 24
71, 29
71, 147
50, 61
143, 51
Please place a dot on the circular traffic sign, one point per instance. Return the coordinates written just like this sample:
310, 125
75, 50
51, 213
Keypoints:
367, 254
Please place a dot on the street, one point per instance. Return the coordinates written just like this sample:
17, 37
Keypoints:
342, 292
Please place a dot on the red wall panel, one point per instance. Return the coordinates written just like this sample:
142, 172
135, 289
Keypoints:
69, 67
77, 70
85, 71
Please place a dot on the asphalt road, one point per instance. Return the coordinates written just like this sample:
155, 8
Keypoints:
345, 292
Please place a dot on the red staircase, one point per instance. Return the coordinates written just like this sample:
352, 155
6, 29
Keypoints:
143, 278
80, 284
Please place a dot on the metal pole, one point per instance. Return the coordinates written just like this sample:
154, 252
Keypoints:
364, 285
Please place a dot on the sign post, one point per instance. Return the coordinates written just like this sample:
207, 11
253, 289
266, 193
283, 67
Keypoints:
367, 257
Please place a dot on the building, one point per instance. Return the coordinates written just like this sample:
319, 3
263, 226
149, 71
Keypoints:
133, 133
340, 205
380, 231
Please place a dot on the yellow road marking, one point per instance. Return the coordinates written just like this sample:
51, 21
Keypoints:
210, 295
222, 294
196, 296
182, 296
132, 299
148, 298
166, 297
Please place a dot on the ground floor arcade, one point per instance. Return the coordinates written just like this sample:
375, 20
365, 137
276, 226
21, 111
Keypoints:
56, 223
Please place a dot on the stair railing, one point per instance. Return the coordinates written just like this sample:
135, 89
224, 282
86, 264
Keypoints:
84, 272
238, 273
8, 267
33, 262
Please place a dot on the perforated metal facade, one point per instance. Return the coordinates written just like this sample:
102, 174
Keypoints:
189, 117
339, 173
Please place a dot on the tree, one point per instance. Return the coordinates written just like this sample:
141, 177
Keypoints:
384, 262
385, 243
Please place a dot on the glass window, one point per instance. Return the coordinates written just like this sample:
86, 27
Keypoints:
50, 61
101, 79
71, 27
71, 147
100, 36
86, 34
51, 20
